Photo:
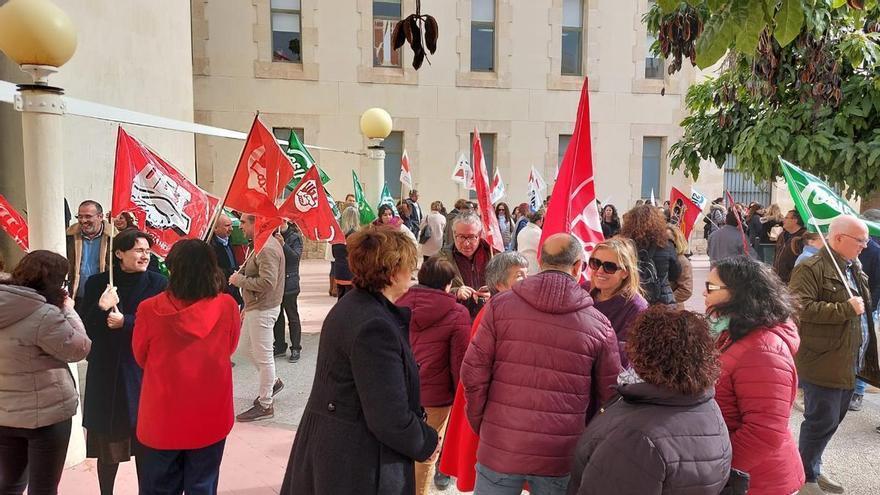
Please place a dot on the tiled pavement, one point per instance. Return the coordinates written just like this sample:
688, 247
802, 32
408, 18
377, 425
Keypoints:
256, 454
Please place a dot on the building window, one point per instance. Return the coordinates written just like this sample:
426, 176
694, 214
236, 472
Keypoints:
483, 35
286, 31
564, 139
386, 13
572, 37
488, 142
393, 154
654, 66
651, 157
284, 134
741, 186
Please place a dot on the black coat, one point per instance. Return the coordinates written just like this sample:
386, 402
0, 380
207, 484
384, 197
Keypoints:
363, 425
665, 261
113, 378
293, 250
653, 441
227, 267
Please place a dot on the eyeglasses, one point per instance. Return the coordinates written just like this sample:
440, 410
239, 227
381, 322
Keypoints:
470, 239
85, 217
863, 242
607, 266
142, 251
710, 287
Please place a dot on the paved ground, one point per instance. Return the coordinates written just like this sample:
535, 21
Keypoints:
256, 454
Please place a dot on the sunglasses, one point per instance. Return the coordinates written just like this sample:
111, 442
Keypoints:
607, 266
710, 287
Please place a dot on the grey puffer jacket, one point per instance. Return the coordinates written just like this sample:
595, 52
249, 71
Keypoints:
36, 341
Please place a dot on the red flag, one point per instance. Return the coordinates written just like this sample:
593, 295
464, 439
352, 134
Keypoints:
13, 224
166, 204
684, 212
262, 172
572, 205
307, 206
739, 224
264, 227
491, 230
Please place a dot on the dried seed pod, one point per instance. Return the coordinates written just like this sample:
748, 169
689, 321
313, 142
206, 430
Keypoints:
398, 36
418, 58
416, 42
407, 30
432, 32
856, 4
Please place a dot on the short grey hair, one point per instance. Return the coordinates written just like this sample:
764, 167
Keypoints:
565, 258
499, 266
469, 218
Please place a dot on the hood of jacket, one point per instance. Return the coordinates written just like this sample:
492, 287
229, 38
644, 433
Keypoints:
646, 393
788, 333
553, 292
197, 319
17, 303
429, 306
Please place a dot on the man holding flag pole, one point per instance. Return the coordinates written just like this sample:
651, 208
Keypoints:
838, 341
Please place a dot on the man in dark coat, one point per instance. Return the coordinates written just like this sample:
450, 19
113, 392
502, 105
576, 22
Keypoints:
225, 257
541, 358
292, 244
789, 245
113, 379
415, 210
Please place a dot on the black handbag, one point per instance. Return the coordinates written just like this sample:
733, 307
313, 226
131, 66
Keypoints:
425, 234
737, 483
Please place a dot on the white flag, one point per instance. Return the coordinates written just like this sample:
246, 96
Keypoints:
463, 173
497, 189
537, 190
405, 171
699, 199
653, 201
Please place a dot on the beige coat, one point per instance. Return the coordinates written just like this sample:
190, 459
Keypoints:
683, 288
36, 341
263, 286
74, 254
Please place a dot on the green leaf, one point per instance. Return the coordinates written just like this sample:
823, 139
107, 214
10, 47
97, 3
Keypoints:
789, 21
668, 6
749, 14
718, 34
836, 4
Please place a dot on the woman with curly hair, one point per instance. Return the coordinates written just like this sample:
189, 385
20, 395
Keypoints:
663, 433
363, 425
658, 260
753, 311
610, 221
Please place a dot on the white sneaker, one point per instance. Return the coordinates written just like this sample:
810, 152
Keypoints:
811, 489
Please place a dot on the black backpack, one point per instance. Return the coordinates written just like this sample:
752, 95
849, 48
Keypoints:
652, 285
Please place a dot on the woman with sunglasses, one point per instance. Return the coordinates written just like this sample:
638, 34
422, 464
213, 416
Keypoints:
752, 309
614, 286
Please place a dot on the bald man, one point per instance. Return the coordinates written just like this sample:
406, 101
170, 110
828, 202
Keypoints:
541, 356
835, 328
225, 257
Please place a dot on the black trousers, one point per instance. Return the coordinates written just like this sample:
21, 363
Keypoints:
33, 458
173, 472
824, 410
288, 306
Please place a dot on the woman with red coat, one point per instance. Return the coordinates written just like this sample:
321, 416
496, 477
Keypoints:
183, 339
751, 308
439, 332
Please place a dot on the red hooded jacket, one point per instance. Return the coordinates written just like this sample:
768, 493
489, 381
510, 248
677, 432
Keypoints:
755, 392
439, 332
184, 349
540, 356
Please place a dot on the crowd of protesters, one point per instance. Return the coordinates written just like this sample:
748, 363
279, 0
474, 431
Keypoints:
547, 366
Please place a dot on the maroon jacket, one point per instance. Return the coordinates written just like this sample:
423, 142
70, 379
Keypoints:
439, 332
755, 392
541, 354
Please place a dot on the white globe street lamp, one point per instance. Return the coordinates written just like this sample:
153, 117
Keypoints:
376, 125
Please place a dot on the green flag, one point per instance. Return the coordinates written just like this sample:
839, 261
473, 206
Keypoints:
336, 212
817, 203
366, 212
386, 199
301, 160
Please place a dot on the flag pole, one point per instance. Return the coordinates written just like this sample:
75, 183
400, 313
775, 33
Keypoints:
831, 253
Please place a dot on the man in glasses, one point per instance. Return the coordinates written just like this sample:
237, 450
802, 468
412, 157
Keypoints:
542, 356
789, 245
835, 329
88, 247
469, 254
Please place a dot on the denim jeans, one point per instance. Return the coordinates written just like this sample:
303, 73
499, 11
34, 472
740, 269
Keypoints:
860, 387
33, 458
173, 472
824, 409
492, 483
259, 325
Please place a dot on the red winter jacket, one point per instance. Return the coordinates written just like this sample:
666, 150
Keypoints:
184, 349
540, 356
755, 392
439, 332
